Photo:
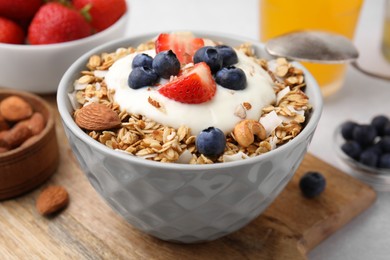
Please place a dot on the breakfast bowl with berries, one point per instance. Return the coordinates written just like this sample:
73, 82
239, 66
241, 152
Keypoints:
188, 135
365, 148
40, 39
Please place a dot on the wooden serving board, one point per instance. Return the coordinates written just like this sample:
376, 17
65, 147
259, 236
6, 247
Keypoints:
89, 229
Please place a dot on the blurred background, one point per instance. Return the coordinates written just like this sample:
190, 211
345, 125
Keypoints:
225, 16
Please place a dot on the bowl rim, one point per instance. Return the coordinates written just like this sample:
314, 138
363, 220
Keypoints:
68, 121
27, 47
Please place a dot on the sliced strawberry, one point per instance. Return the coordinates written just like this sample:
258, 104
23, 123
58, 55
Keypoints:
195, 87
184, 45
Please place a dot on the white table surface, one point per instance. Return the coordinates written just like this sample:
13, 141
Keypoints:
361, 98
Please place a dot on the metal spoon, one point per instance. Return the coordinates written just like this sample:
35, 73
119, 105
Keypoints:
317, 47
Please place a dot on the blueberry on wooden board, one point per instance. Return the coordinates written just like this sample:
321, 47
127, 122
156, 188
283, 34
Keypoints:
312, 184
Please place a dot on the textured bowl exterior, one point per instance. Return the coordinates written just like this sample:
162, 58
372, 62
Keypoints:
181, 202
39, 68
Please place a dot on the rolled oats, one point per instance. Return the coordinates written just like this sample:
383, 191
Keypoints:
94, 62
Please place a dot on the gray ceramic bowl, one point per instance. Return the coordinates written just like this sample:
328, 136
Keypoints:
182, 202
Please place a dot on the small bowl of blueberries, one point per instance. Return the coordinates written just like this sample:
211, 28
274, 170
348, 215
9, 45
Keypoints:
365, 147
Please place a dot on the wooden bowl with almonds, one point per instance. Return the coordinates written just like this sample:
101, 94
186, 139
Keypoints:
29, 152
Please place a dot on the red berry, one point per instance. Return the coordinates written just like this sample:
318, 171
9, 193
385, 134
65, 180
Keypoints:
104, 13
19, 9
10, 32
54, 23
184, 45
193, 87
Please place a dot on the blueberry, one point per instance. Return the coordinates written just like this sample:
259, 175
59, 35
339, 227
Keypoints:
369, 158
166, 64
352, 149
228, 54
211, 142
200, 53
209, 55
231, 77
347, 129
384, 161
379, 122
384, 144
312, 184
142, 77
376, 148
364, 134
142, 60
386, 129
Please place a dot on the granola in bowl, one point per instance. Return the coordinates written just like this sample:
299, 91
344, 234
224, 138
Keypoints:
255, 123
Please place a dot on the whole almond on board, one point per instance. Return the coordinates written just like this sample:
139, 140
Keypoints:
15, 136
96, 117
52, 199
14, 108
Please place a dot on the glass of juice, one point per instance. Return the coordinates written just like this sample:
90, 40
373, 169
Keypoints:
282, 16
386, 32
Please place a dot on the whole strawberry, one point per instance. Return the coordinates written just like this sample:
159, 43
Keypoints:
10, 32
103, 13
55, 23
19, 9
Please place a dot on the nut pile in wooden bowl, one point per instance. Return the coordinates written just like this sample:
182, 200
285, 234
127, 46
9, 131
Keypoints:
29, 152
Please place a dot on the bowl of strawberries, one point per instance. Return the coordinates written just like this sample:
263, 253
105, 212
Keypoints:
40, 39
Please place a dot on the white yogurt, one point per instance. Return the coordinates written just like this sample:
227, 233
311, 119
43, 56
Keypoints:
218, 112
